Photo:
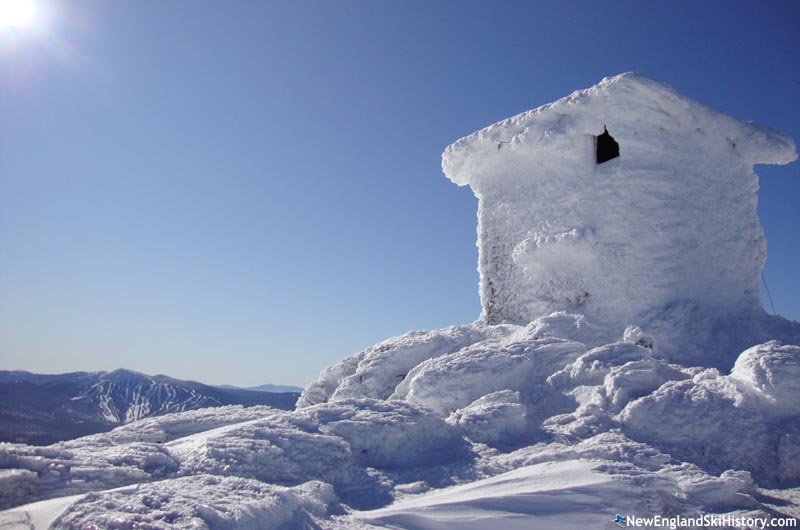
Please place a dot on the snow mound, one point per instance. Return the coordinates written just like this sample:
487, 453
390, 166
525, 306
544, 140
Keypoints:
774, 370
747, 420
560, 495
494, 419
549, 495
449, 382
203, 502
275, 449
389, 434
376, 371
639, 378
524, 384
592, 367
86, 464
167, 428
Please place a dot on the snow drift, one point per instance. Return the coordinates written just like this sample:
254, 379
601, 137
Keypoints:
633, 401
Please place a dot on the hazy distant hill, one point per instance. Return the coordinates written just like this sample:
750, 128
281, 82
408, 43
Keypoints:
267, 388
41, 409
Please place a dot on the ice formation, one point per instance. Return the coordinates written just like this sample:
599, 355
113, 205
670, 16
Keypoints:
666, 230
554, 420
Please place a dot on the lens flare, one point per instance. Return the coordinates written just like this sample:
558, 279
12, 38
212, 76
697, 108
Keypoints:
16, 13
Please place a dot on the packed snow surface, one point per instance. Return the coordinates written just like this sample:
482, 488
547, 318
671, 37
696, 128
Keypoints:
562, 420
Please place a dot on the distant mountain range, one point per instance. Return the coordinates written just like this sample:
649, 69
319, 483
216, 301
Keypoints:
41, 409
266, 388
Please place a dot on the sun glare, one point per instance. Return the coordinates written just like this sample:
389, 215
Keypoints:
16, 13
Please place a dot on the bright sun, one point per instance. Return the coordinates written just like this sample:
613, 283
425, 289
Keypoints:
16, 13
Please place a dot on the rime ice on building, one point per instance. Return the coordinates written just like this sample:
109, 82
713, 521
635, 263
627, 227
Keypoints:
626, 202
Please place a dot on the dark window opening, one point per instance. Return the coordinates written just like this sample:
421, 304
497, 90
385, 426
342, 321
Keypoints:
606, 147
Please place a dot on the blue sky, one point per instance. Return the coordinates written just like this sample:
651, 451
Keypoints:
246, 192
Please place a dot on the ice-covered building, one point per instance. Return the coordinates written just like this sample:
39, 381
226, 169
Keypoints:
626, 202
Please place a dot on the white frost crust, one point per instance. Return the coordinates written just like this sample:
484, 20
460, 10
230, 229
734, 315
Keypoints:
389, 434
276, 449
615, 100
774, 370
376, 371
162, 429
746, 420
494, 419
452, 381
204, 502
670, 223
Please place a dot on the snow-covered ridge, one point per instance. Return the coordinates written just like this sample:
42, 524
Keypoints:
43, 408
124, 396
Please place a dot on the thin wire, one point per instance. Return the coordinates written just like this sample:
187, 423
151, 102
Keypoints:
763, 279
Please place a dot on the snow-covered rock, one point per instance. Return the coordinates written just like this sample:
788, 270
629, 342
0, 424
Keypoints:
167, 428
592, 367
639, 378
498, 418
78, 466
377, 371
275, 449
774, 370
452, 381
721, 422
389, 434
202, 502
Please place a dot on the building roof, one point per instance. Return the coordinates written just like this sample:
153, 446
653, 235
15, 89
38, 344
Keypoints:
647, 118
